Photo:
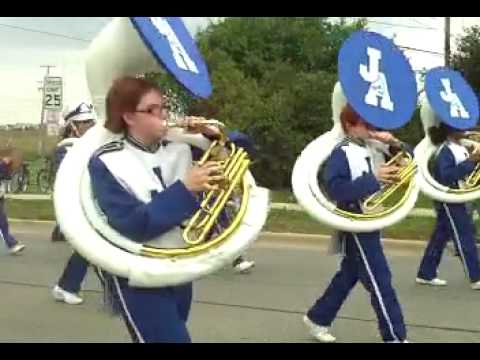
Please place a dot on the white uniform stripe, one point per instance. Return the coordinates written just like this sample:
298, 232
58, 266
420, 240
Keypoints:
457, 239
3, 237
376, 289
125, 308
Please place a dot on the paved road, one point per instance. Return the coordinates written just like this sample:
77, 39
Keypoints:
265, 306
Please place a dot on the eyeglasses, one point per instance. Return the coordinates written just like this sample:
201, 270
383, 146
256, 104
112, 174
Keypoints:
154, 109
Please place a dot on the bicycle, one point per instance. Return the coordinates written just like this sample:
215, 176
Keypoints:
46, 176
19, 180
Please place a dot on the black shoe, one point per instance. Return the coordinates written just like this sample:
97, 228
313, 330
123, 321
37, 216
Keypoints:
57, 235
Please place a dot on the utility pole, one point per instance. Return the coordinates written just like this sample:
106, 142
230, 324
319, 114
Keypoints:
42, 130
447, 41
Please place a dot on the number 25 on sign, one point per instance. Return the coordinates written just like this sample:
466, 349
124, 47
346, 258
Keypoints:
53, 93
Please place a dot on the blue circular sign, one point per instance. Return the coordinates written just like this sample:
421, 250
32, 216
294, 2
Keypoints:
377, 80
452, 98
171, 44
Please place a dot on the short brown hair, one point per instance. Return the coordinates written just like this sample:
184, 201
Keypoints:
124, 96
350, 117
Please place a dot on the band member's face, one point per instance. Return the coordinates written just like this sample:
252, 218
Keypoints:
360, 130
150, 119
456, 135
83, 126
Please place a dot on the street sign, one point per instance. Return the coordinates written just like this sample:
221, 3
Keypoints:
53, 93
52, 119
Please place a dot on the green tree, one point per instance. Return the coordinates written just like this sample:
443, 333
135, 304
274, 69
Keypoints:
467, 56
412, 133
179, 97
273, 79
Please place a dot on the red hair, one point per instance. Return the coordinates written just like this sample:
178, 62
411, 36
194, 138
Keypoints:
350, 118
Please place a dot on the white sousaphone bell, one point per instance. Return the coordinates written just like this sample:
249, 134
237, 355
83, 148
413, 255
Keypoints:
134, 46
378, 82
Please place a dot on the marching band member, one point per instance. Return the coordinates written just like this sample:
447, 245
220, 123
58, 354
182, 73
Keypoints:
376, 92
349, 178
452, 163
144, 187
7, 163
78, 120
139, 110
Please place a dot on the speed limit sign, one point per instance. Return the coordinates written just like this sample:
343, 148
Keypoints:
53, 93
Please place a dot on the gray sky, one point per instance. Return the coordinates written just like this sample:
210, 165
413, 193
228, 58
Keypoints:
426, 33
24, 51
422, 33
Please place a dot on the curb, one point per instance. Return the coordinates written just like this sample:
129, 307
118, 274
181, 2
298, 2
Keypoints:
13, 220
420, 212
29, 196
286, 239
323, 241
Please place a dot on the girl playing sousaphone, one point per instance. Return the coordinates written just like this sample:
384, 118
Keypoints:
376, 93
453, 107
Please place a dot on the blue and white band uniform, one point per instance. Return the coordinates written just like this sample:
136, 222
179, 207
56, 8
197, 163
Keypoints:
5, 234
377, 81
76, 268
453, 220
454, 104
349, 179
141, 193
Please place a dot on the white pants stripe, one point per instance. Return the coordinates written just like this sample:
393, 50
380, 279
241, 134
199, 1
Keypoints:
457, 239
125, 308
376, 289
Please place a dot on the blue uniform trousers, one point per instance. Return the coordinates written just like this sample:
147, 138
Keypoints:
453, 222
364, 260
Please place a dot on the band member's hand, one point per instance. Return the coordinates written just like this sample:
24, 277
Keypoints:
384, 136
7, 160
197, 128
202, 178
388, 174
475, 156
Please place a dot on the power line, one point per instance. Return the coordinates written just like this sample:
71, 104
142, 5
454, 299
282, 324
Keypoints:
45, 33
403, 25
409, 26
422, 24
421, 50
414, 27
